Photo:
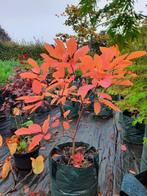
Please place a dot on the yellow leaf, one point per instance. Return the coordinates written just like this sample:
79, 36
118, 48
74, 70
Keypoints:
6, 168
38, 164
16, 111
12, 144
97, 107
1, 141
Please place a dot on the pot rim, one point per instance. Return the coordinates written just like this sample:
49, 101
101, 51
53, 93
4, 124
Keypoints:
70, 166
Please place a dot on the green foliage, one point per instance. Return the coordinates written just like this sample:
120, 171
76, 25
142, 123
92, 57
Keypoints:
27, 123
11, 50
121, 19
124, 21
6, 69
135, 97
145, 140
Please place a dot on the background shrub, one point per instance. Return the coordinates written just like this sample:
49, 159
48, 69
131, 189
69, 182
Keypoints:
11, 50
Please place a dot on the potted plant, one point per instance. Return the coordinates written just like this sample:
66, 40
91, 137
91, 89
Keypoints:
74, 161
24, 147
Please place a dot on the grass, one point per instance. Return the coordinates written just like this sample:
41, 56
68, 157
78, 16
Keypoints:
6, 69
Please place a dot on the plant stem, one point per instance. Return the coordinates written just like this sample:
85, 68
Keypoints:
76, 129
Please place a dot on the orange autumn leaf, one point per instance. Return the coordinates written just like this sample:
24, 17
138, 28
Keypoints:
97, 107
34, 65
136, 54
48, 136
45, 125
60, 49
1, 141
104, 95
71, 46
32, 107
66, 125
83, 90
30, 99
28, 75
38, 164
34, 128
125, 83
55, 123
110, 104
81, 52
35, 142
6, 168
65, 114
36, 86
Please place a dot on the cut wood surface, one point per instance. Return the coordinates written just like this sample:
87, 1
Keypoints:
104, 134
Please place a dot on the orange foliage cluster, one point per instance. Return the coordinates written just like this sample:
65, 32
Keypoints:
99, 72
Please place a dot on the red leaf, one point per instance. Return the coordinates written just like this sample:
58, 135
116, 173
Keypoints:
37, 105
97, 107
104, 95
71, 46
123, 148
55, 123
78, 158
30, 99
66, 113
59, 74
60, 49
33, 107
35, 141
136, 54
36, 86
48, 136
50, 50
34, 64
105, 83
45, 125
28, 75
35, 128
81, 52
83, 90
109, 104
23, 131
66, 125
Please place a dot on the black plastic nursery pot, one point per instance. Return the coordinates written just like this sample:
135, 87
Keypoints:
132, 133
5, 124
134, 185
72, 181
22, 161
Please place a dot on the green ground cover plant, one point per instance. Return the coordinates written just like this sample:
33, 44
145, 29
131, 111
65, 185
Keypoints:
7, 69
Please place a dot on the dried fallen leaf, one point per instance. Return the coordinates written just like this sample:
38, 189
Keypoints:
6, 168
38, 164
12, 144
123, 148
1, 141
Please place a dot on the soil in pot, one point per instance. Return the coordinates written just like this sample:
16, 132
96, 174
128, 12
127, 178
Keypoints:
80, 179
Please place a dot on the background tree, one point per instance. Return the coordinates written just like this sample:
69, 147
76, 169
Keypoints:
121, 21
3, 35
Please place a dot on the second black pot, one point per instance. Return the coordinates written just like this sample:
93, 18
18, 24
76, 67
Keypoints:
23, 162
